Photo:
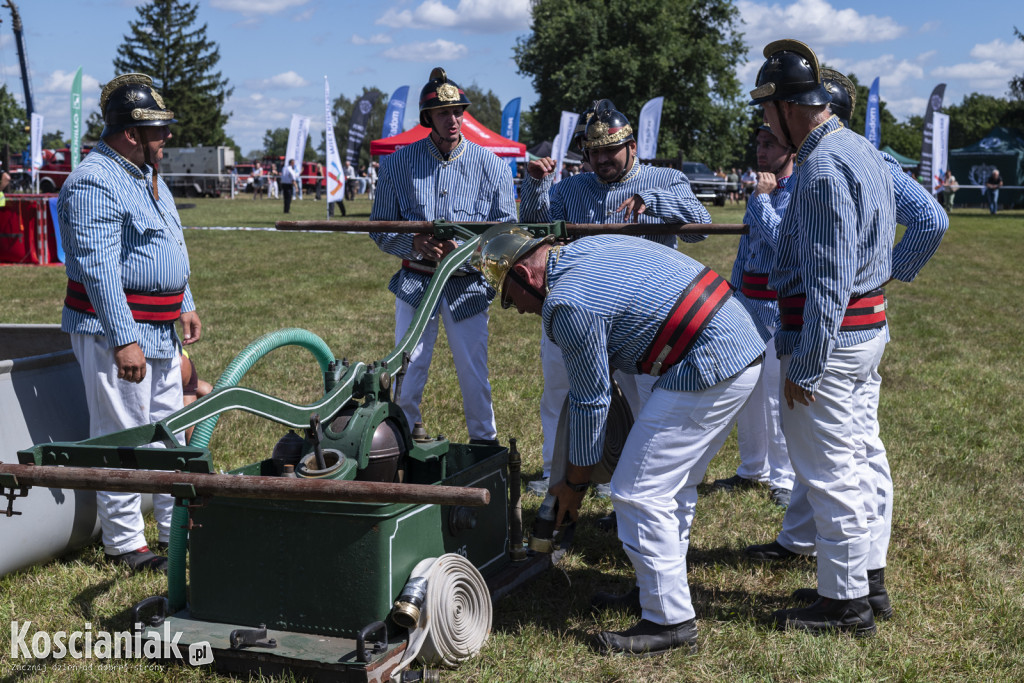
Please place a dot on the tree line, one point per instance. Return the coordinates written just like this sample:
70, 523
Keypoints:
576, 51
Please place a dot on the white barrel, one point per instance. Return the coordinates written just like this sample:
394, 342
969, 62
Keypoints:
41, 400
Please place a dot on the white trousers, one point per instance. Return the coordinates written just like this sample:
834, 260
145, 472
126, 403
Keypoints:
115, 405
468, 342
843, 491
654, 488
798, 530
636, 388
763, 453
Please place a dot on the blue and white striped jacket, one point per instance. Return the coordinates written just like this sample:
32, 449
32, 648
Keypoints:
116, 236
416, 183
835, 241
756, 252
608, 296
585, 198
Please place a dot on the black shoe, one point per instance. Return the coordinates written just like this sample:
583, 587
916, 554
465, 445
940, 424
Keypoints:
825, 615
878, 597
162, 546
770, 552
609, 523
648, 638
140, 560
781, 497
736, 483
627, 602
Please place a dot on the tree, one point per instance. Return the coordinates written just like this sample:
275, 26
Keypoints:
905, 137
633, 50
13, 126
1014, 117
55, 140
165, 44
485, 108
93, 128
342, 109
275, 144
974, 117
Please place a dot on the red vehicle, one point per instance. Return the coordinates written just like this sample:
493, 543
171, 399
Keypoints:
56, 168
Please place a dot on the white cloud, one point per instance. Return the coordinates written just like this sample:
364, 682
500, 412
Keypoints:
892, 73
815, 22
288, 79
481, 16
1012, 54
60, 82
376, 39
251, 7
439, 50
304, 15
995, 64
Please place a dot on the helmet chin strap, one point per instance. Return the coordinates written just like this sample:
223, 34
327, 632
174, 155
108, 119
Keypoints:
526, 286
147, 156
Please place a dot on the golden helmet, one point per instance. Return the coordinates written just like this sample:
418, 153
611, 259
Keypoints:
500, 248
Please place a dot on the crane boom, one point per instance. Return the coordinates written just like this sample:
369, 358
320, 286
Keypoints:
19, 38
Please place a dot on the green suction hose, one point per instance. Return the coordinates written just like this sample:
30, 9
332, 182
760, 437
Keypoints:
178, 545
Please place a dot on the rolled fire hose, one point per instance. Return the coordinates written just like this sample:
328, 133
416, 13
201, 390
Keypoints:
454, 619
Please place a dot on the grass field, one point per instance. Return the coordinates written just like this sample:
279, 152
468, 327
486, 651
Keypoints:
952, 410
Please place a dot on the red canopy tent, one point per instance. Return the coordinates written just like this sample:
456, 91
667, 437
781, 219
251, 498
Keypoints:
471, 128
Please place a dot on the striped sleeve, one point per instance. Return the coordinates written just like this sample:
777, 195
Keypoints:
582, 337
828, 257
925, 220
90, 210
386, 208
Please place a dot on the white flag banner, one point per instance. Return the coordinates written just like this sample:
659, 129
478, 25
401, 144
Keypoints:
940, 149
335, 171
648, 126
36, 142
297, 140
561, 144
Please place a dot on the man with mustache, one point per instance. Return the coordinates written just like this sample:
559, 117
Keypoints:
443, 176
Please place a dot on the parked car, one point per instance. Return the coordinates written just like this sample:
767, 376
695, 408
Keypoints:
707, 186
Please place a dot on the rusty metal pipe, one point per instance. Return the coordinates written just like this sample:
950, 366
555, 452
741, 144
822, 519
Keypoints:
577, 229
243, 486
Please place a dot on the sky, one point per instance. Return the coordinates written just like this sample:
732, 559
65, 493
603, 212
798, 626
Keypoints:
276, 53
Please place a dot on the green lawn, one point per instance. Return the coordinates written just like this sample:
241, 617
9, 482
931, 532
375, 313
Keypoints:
951, 414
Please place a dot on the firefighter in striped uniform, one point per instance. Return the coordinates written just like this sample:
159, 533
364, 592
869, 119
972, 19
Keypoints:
834, 255
443, 176
128, 272
763, 455
926, 224
644, 309
619, 190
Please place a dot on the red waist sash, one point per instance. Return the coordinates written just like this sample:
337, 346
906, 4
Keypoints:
864, 312
755, 286
145, 306
690, 315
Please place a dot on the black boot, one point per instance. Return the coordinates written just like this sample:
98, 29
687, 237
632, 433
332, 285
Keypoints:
140, 560
825, 615
770, 552
648, 638
878, 597
627, 602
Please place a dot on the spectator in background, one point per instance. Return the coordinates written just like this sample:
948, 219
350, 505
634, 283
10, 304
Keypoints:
289, 176
734, 185
271, 177
749, 181
949, 188
992, 186
371, 175
319, 181
350, 180
257, 181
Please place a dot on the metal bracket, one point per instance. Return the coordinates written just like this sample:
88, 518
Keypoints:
156, 619
8, 483
376, 647
400, 375
199, 502
443, 230
251, 637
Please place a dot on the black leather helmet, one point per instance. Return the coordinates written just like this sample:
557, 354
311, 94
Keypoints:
790, 74
843, 92
607, 127
440, 91
130, 100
